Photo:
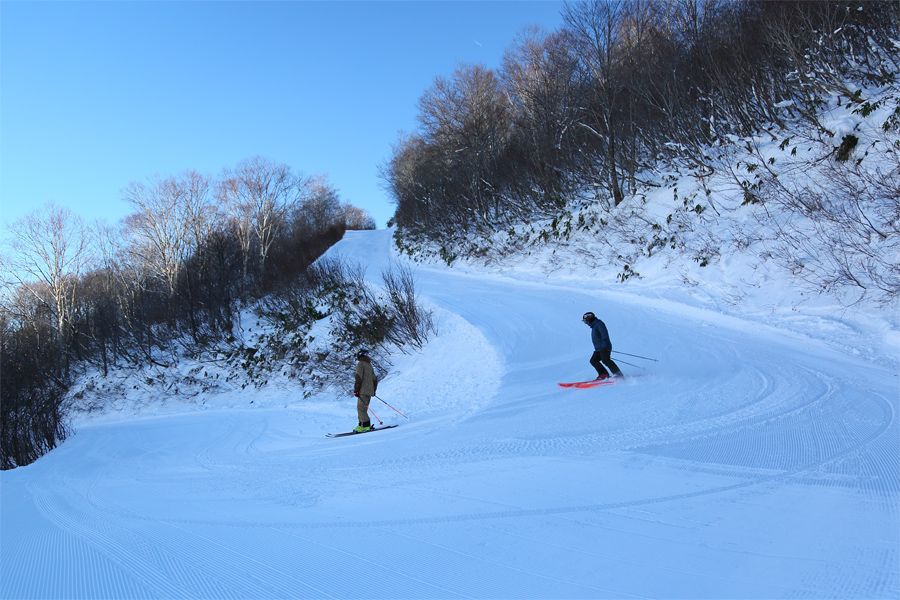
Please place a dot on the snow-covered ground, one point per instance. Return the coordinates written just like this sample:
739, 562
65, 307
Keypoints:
751, 461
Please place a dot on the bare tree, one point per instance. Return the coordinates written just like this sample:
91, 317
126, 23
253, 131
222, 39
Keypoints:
416, 176
268, 190
173, 218
201, 217
540, 79
466, 120
320, 204
598, 27
126, 282
31, 414
198, 209
49, 250
356, 218
241, 219
158, 232
258, 194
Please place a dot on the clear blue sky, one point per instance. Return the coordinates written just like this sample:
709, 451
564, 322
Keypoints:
94, 95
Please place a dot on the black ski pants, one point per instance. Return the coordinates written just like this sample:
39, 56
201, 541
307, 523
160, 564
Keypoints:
603, 357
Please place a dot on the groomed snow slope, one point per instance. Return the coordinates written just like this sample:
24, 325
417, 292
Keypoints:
746, 463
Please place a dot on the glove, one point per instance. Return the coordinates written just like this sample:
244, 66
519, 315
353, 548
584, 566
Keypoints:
356, 394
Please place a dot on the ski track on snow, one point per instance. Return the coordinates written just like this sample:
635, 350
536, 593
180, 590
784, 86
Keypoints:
732, 468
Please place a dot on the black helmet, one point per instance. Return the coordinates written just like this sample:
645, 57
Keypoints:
588, 316
362, 352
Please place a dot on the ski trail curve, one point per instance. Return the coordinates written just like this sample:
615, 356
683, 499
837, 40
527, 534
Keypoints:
746, 463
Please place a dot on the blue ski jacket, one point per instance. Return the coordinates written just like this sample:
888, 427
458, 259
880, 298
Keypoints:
599, 335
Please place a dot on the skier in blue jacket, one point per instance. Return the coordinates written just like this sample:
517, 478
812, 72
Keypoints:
602, 347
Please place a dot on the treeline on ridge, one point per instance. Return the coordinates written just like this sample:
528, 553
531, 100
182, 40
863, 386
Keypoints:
624, 85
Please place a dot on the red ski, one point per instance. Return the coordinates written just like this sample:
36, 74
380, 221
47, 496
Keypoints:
592, 383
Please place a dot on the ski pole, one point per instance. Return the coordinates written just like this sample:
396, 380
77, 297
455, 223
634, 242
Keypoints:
635, 355
631, 364
380, 422
397, 411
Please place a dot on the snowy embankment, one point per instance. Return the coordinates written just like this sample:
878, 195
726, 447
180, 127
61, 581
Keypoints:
747, 463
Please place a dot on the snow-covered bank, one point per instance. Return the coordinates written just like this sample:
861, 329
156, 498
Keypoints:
867, 331
751, 461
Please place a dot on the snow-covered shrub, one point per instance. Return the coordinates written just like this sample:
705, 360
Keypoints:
318, 322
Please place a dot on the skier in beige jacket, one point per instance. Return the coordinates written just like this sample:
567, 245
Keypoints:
364, 387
